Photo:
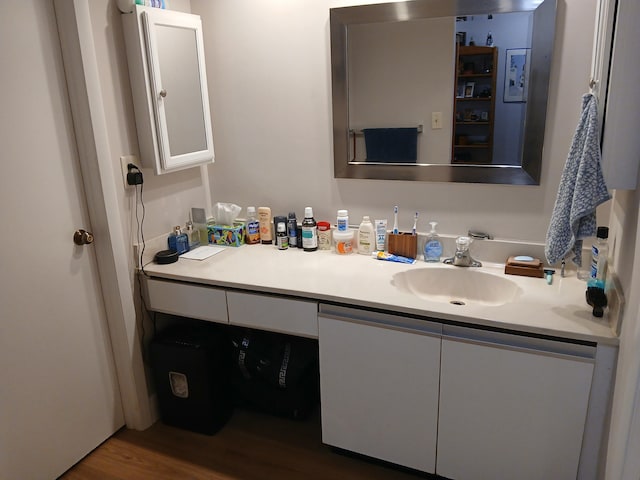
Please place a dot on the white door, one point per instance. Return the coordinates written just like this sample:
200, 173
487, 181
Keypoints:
59, 395
511, 407
368, 362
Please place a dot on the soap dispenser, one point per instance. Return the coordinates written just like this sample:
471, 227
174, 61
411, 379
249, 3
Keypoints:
433, 245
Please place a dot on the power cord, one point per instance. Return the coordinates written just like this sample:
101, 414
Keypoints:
135, 178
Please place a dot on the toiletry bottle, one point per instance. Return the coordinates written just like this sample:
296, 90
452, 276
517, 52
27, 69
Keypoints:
489, 39
324, 236
292, 229
178, 241
381, 234
193, 236
599, 260
433, 245
366, 237
199, 219
282, 239
264, 217
309, 231
343, 220
276, 220
253, 227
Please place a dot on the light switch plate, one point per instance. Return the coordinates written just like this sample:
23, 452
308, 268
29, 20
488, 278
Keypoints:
436, 120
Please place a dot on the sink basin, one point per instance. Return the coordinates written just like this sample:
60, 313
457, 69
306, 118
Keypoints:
457, 285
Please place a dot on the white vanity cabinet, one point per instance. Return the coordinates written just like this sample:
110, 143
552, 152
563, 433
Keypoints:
275, 314
165, 55
187, 300
379, 377
511, 406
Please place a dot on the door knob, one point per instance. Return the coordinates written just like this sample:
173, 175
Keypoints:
82, 237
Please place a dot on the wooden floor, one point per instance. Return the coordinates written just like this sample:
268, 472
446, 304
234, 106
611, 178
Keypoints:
251, 446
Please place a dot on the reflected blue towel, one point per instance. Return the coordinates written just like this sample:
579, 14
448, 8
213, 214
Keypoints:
391, 144
582, 189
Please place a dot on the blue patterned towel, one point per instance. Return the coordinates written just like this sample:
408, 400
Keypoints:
581, 190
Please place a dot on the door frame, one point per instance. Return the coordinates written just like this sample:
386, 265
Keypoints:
95, 157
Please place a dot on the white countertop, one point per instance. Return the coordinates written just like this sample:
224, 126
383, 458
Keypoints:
558, 310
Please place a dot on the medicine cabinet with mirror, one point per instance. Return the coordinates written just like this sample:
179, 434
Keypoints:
165, 53
403, 86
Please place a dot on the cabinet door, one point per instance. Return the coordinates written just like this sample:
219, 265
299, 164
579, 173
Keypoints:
510, 406
179, 87
379, 380
187, 300
165, 54
273, 313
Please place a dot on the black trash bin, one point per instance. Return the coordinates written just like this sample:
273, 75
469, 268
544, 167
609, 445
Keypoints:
191, 371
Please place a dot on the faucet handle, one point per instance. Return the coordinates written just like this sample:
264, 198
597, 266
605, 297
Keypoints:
463, 243
480, 235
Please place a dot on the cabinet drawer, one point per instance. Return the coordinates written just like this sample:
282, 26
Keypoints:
284, 315
186, 300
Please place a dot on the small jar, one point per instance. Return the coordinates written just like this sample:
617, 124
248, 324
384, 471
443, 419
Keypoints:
343, 220
343, 242
324, 236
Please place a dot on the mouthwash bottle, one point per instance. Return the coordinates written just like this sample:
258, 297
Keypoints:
599, 260
433, 245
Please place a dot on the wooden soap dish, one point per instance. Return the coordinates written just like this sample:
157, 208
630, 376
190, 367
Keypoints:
532, 268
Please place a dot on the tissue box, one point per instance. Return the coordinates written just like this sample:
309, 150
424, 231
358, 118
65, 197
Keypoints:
226, 234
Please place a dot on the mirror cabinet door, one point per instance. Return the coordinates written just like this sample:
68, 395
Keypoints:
172, 112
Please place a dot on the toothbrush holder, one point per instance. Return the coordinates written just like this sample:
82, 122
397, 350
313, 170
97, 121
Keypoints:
404, 244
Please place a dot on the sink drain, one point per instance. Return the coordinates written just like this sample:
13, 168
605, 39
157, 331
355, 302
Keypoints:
456, 302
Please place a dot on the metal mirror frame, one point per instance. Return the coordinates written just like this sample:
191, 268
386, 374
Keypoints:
528, 173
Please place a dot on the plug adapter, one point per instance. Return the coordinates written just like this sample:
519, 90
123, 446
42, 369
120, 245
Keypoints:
134, 178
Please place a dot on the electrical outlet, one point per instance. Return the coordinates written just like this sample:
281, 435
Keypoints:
124, 161
436, 120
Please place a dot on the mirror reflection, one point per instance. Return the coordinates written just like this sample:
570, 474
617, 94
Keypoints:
440, 90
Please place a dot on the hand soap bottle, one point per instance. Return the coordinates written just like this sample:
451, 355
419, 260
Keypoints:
433, 245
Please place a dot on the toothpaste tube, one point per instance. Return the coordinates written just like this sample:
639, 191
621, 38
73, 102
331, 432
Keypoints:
389, 257
381, 234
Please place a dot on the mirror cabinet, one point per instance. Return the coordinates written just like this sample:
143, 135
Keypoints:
165, 54
425, 65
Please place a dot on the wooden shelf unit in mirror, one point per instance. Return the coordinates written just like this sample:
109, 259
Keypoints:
474, 105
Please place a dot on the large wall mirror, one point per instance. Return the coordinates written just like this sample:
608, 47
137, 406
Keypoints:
441, 90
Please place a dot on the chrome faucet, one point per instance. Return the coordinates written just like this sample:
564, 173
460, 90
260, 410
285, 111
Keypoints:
462, 257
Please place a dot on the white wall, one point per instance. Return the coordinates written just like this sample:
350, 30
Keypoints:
167, 198
268, 65
391, 84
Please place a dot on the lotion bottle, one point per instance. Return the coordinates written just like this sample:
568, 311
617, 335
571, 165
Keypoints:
264, 218
433, 245
366, 237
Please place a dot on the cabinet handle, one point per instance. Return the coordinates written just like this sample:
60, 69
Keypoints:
418, 327
519, 343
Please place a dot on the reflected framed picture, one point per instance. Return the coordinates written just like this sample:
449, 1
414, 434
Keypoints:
516, 75
468, 89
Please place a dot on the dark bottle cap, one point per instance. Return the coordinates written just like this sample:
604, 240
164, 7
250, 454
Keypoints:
292, 215
603, 232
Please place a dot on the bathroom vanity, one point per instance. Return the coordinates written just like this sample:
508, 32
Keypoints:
517, 386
